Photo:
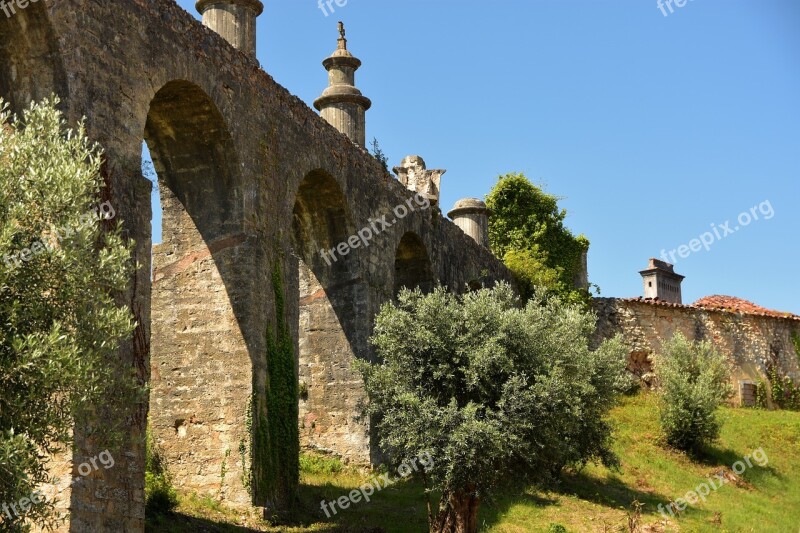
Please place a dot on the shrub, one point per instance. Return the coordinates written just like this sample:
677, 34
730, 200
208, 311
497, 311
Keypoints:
693, 379
491, 391
160, 496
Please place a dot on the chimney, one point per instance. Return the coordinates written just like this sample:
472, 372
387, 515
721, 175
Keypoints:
234, 20
661, 281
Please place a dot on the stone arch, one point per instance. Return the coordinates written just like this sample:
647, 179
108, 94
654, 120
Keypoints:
30, 62
320, 222
201, 368
333, 311
195, 159
412, 265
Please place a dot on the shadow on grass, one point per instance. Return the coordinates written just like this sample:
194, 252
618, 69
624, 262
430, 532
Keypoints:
611, 492
614, 494
399, 508
182, 523
754, 474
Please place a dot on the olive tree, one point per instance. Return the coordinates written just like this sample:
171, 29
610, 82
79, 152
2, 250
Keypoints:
693, 379
61, 262
491, 390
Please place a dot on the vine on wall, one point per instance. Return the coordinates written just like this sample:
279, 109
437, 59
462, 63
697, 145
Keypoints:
784, 393
276, 441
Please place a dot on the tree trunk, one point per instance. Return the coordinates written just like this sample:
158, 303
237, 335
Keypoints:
459, 514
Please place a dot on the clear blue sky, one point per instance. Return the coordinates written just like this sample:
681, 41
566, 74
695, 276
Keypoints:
651, 128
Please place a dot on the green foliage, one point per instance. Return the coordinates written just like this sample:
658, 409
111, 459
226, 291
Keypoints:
693, 381
796, 343
761, 395
61, 267
492, 391
160, 496
378, 154
224, 471
527, 231
319, 464
778, 395
276, 439
556, 528
246, 448
302, 392
785, 394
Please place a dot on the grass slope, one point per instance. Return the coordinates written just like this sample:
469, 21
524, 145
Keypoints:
763, 499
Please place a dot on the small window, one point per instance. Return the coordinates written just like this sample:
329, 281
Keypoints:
649, 283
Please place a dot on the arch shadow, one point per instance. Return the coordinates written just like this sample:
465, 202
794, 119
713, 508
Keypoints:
203, 356
334, 322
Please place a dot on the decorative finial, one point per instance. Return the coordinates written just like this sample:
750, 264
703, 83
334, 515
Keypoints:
342, 39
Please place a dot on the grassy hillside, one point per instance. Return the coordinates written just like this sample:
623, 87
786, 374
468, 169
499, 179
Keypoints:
762, 499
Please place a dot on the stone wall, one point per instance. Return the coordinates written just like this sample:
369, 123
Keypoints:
751, 341
241, 165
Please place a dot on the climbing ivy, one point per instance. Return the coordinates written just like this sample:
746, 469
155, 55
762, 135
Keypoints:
785, 394
527, 231
276, 449
245, 451
761, 394
224, 472
796, 342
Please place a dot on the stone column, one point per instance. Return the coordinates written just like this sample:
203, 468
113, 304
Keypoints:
342, 105
234, 20
472, 216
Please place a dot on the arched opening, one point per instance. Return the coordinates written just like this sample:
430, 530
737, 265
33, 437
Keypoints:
30, 64
201, 369
412, 265
332, 303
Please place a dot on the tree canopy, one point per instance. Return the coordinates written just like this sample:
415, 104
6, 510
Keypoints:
526, 230
61, 264
491, 390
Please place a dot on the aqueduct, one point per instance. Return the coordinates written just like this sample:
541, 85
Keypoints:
253, 184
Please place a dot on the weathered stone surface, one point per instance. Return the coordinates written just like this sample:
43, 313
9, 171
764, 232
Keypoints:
751, 341
415, 175
472, 216
234, 20
250, 178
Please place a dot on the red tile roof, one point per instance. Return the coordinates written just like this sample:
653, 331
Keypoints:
739, 305
725, 304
